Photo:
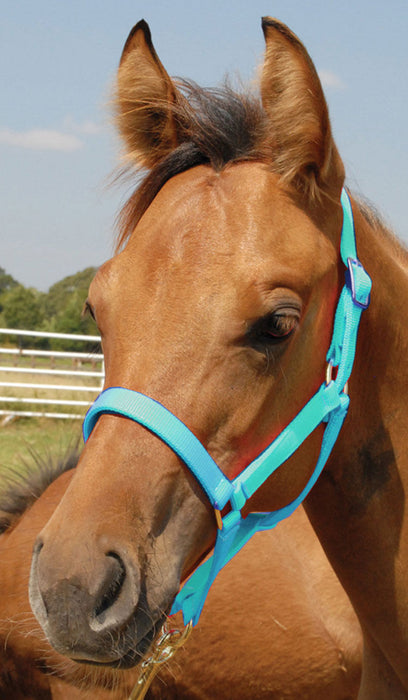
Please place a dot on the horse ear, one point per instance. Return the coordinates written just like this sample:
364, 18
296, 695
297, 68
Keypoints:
144, 100
301, 141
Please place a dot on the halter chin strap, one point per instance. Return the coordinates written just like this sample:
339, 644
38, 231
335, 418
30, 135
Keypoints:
329, 405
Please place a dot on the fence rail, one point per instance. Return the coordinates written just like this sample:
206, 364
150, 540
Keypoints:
47, 334
36, 396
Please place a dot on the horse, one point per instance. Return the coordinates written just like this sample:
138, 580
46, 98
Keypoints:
219, 305
308, 611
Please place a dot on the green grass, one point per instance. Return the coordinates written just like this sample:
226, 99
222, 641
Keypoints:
40, 393
22, 436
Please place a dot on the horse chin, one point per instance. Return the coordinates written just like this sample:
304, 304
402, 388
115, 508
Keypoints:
124, 652
123, 657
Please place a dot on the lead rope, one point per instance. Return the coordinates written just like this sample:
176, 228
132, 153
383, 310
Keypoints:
166, 645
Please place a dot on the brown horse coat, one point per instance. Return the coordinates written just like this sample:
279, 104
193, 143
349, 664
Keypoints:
219, 304
277, 625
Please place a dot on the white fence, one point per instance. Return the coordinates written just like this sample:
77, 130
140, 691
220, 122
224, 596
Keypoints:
44, 390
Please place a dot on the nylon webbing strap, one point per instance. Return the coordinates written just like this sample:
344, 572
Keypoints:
236, 531
329, 405
154, 416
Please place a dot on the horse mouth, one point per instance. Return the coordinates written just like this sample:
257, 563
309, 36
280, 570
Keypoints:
132, 656
137, 654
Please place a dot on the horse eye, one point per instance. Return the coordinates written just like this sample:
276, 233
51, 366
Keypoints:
281, 325
273, 328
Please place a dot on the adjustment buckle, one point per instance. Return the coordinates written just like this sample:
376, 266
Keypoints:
218, 518
329, 377
359, 283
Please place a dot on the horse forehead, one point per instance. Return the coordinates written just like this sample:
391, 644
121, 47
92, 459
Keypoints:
241, 213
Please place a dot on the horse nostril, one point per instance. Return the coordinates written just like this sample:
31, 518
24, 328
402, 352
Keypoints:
39, 544
111, 587
85, 608
37, 601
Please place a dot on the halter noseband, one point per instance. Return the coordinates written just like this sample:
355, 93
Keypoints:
329, 405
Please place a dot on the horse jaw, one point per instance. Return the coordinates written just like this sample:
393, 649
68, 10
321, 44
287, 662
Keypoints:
107, 596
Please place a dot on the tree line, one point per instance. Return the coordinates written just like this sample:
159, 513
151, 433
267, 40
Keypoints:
60, 310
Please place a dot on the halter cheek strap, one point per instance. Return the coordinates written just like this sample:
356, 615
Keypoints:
329, 405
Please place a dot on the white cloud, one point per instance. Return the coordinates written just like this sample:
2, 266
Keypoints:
86, 127
331, 80
66, 139
41, 140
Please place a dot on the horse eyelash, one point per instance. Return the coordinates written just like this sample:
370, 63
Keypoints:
88, 310
257, 333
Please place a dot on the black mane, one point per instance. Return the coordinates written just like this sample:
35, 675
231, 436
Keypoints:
220, 126
20, 488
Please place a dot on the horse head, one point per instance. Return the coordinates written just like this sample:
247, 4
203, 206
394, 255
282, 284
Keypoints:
219, 304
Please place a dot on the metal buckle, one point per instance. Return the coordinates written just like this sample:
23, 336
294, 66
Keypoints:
218, 518
329, 377
169, 641
358, 281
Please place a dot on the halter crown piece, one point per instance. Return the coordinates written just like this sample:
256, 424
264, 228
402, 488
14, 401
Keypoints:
329, 405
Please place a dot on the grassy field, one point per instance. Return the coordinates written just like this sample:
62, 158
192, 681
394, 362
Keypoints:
38, 380
23, 436
44, 436
37, 383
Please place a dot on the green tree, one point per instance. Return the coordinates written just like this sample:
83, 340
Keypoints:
22, 309
7, 282
60, 310
71, 319
63, 307
61, 292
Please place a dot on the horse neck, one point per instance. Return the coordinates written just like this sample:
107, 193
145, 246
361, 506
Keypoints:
357, 506
380, 375
375, 428
372, 443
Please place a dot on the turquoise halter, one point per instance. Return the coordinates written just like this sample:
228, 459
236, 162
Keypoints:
329, 405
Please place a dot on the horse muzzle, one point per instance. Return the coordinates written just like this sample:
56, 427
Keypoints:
104, 618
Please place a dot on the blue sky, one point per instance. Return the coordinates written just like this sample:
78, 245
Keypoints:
58, 148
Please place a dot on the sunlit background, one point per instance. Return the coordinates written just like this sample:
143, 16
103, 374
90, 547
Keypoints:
58, 149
